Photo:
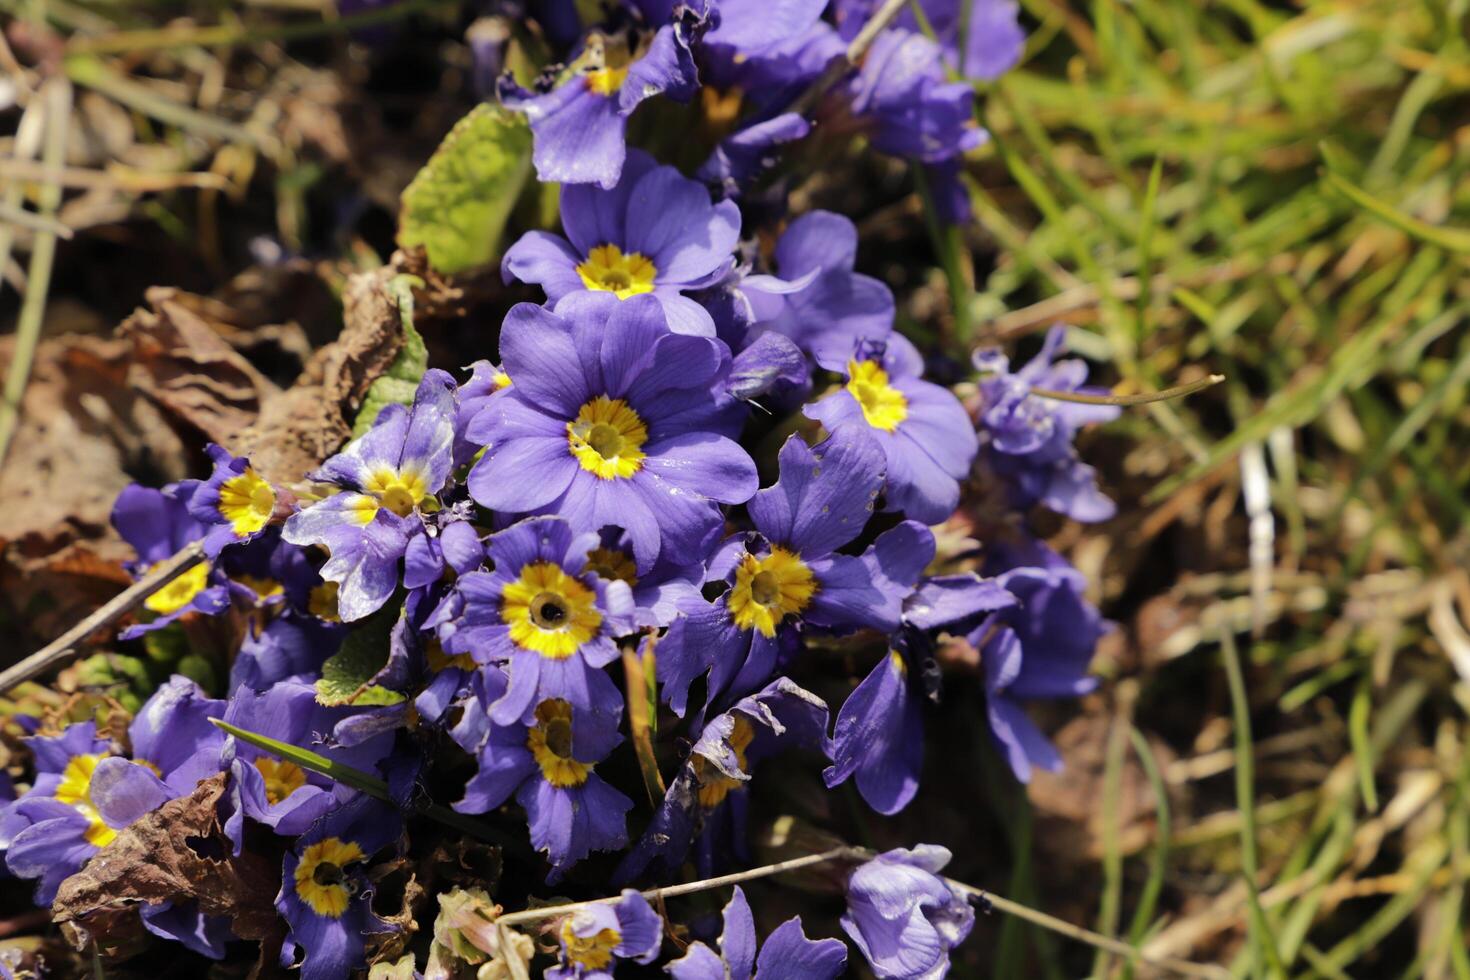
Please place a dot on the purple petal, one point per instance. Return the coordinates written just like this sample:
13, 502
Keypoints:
546, 260
824, 496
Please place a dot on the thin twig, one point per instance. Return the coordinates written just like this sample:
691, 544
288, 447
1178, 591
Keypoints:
56, 99
22, 218
1183, 967
840, 66
16, 172
1142, 398
68, 645
854, 854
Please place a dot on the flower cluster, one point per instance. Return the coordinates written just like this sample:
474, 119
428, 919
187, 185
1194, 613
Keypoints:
697, 461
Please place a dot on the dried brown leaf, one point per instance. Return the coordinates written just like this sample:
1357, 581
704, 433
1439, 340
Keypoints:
177, 853
83, 431
306, 423
182, 362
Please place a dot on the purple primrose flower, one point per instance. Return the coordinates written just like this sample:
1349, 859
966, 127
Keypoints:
579, 125
905, 918
610, 421
1040, 648
547, 765
236, 502
594, 936
654, 233
1027, 439
389, 478
788, 576
544, 615
157, 523
326, 896
879, 735
925, 432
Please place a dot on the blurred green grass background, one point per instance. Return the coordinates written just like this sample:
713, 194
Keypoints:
1275, 192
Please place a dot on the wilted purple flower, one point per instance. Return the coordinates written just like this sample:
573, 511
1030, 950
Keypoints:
879, 735
992, 43
654, 233
595, 935
157, 523
326, 896
547, 765
236, 502
271, 790
788, 577
905, 918
925, 432
611, 421
706, 803
543, 614
389, 478
786, 955
579, 126
1040, 648
1027, 439
815, 298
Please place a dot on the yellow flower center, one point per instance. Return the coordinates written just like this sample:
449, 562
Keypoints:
613, 564
281, 778
398, 490
500, 379
607, 437
550, 743
439, 660
246, 501
321, 602
264, 588
606, 81
896, 659
609, 270
768, 589
180, 592
714, 785
883, 405
593, 952
75, 790
548, 611
320, 880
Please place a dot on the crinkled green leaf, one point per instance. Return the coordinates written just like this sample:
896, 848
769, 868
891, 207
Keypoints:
347, 676
397, 384
457, 206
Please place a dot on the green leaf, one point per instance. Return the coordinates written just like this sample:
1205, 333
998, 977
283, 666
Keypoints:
347, 676
396, 386
458, 204
364, 782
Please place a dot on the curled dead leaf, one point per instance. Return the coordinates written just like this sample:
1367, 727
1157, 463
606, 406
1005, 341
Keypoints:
303, 425
184, 364
178, 853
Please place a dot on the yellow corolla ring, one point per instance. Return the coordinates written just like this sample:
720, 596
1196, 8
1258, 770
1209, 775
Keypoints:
549, 612
769, 589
